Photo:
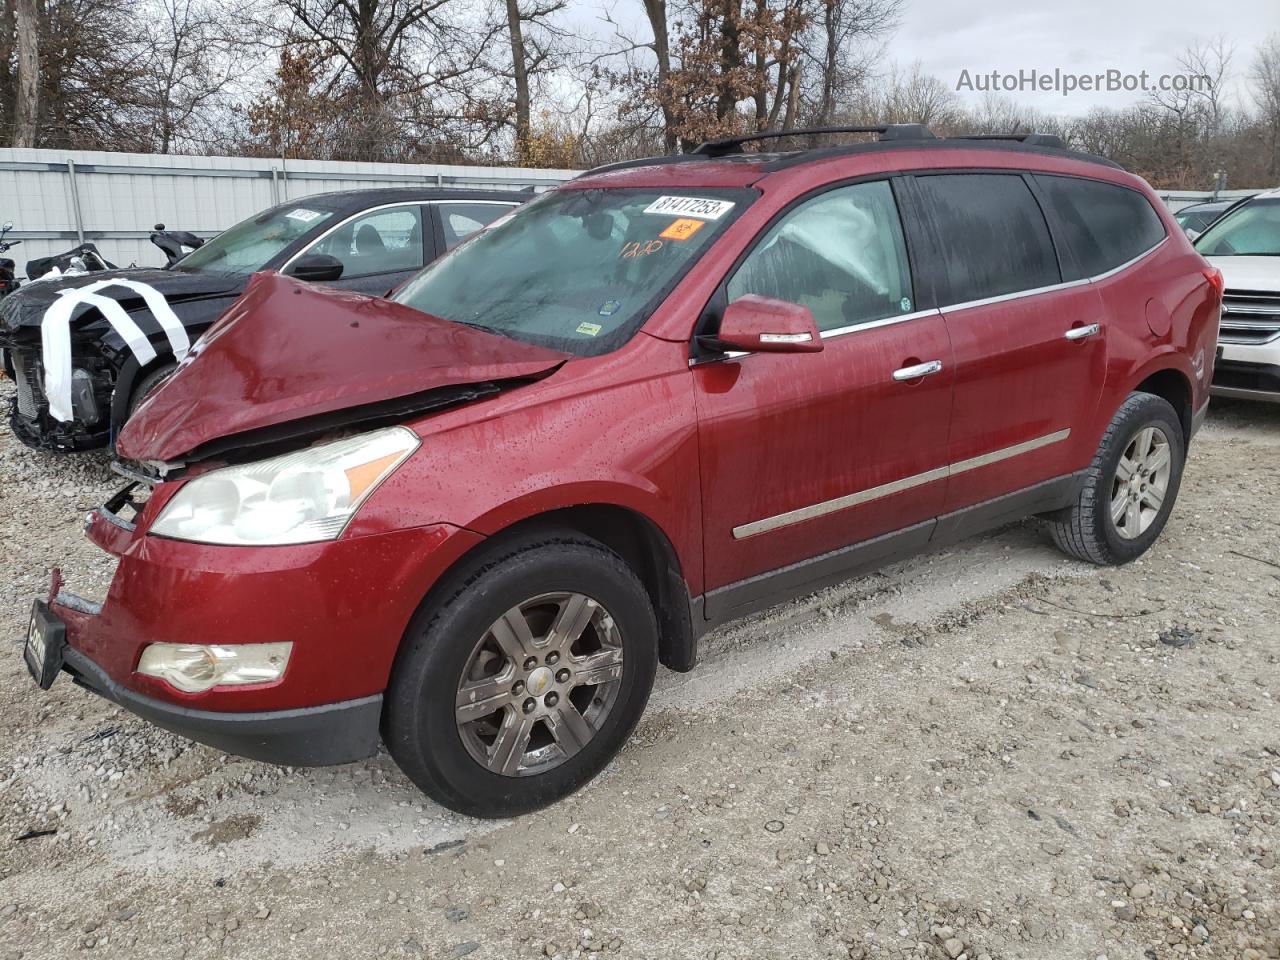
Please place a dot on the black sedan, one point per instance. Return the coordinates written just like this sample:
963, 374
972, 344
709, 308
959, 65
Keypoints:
1196, 217
86, 350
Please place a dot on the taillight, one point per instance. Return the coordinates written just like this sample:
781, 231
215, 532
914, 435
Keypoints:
1214, 276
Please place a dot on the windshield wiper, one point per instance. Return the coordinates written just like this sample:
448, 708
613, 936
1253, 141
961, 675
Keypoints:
485, 327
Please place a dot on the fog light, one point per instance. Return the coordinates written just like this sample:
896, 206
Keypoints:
194, 669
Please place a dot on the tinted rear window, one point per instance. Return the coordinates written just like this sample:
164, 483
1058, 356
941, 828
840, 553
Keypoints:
1103, 225
993, 235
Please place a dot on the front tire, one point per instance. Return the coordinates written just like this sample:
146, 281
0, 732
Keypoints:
522, 683
1129, 489
149, 384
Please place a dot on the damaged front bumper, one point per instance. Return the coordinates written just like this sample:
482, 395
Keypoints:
309, 736
45, 433
29, 409
344, 605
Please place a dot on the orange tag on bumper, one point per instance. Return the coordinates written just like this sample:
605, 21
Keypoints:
682, 229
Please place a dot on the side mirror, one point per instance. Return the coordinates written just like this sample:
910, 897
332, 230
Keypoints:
8, 225
316, 267
764, 325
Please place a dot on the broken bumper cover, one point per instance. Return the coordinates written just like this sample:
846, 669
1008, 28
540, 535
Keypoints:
45, 433
29, 416
309, 736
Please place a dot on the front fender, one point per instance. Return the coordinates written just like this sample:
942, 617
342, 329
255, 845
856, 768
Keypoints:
611, 430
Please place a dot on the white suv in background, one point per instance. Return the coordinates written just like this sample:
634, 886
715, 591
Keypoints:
1245, 246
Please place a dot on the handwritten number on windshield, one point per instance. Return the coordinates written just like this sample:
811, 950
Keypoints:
636, 248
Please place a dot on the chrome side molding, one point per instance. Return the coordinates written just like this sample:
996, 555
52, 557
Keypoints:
896, 486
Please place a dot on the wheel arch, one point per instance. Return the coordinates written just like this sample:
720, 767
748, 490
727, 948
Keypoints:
1172, 385
645, 548
127, 378
635, 537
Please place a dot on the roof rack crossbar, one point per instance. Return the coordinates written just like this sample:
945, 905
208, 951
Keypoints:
1030, 139
888, 131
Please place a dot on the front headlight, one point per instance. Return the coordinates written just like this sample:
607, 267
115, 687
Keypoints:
300, 497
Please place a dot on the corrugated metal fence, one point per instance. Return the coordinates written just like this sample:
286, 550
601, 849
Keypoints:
58, 198
1177, 199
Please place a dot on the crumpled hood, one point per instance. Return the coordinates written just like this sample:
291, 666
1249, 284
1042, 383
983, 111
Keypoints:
286, 351
26, 306
1249, 273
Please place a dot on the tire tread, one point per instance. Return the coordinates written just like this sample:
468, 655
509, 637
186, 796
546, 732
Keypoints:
1077, 530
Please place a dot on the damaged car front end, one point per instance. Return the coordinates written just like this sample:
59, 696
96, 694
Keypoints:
158, 645
280, 458
101, 363
93, 381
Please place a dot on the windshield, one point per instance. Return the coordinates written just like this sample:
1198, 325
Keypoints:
1252, 230
250, 244
576, 270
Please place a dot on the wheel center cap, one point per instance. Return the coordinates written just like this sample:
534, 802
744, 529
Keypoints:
539, 681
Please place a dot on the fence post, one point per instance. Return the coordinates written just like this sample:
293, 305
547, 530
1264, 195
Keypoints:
75, 199
275, 185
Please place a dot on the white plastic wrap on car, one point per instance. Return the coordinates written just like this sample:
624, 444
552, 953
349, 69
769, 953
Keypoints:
55, 334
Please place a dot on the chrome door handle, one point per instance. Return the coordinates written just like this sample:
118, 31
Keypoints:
918, 371
1079, 333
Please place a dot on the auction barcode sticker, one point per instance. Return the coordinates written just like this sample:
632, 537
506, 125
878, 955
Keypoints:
700, 207
303, 214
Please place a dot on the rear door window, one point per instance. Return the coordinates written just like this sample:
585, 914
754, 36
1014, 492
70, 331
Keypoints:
1103, 225
993, 237
459, 220
841, 254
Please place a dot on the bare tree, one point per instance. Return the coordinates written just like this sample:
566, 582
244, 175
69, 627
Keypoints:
913, 96
401, 71
841, 45
535, 48
26, 109
196, 51
656, 11
1264, 85
1208, 67
88, 64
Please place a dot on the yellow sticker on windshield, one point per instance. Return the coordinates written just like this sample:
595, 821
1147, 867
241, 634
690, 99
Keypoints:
682, 229
590, 329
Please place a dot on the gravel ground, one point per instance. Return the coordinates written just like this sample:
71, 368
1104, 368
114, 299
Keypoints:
988, 751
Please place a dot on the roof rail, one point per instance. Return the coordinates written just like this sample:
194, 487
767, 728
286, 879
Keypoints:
888, 131
1030, 139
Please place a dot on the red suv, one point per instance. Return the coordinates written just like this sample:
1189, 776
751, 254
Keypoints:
470, 521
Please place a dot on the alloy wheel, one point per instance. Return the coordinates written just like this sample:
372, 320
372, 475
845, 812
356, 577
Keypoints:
1141, 482
539, 684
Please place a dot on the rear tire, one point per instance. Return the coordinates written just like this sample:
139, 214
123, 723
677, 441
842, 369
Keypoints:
501, 636
1129, 489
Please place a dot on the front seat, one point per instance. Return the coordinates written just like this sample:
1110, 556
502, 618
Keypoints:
369, 241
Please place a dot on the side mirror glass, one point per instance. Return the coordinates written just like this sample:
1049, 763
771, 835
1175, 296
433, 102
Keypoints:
764, 325
316, 267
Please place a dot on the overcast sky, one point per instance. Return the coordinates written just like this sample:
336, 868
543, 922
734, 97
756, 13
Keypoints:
1083, 36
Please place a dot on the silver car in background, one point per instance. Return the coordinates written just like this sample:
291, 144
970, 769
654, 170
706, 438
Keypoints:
1245, 245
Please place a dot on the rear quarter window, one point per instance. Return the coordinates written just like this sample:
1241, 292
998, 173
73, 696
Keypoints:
993, 237
1102, 224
